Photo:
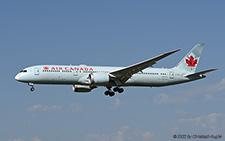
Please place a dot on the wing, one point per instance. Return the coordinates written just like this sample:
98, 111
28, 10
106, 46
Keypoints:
122, 75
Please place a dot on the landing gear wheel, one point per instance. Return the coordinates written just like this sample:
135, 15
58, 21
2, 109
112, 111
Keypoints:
111, 94
32, 89
107, 93
116, 89
32, 86
120, 90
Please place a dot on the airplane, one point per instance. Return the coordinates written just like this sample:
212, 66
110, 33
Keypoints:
85, 78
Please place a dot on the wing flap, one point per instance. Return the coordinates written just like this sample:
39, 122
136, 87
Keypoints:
125, 73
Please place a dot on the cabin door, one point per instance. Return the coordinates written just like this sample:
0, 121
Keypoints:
36, 71
171, 75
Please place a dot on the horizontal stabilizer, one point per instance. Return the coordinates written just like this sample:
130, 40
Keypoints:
199, 73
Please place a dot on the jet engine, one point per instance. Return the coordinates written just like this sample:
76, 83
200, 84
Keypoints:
81, 88
99, 78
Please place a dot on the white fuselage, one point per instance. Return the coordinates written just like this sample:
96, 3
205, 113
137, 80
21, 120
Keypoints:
78, 75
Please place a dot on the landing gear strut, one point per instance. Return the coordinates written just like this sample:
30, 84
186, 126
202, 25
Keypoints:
32, 86
111, 93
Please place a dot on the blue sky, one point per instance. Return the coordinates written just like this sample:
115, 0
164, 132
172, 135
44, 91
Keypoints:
115, 33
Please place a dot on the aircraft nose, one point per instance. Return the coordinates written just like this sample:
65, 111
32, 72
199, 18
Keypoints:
17, 77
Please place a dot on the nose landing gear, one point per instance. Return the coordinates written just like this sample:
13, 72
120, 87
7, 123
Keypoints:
32, 86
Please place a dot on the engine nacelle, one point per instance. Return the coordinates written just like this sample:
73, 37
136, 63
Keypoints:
99, 78
81, 88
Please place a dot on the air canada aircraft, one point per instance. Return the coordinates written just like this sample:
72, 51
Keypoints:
85, 78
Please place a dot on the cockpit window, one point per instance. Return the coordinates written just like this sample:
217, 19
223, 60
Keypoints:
23, 71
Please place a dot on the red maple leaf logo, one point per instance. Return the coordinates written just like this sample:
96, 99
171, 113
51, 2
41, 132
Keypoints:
191, 62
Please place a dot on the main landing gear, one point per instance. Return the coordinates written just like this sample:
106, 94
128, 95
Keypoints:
112, 93
32, 86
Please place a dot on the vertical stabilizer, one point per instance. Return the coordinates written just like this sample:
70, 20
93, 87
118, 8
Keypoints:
190, 61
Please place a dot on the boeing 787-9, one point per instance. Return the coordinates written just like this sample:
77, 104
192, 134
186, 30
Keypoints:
85, 78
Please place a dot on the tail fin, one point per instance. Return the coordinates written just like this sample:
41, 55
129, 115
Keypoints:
190, 61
